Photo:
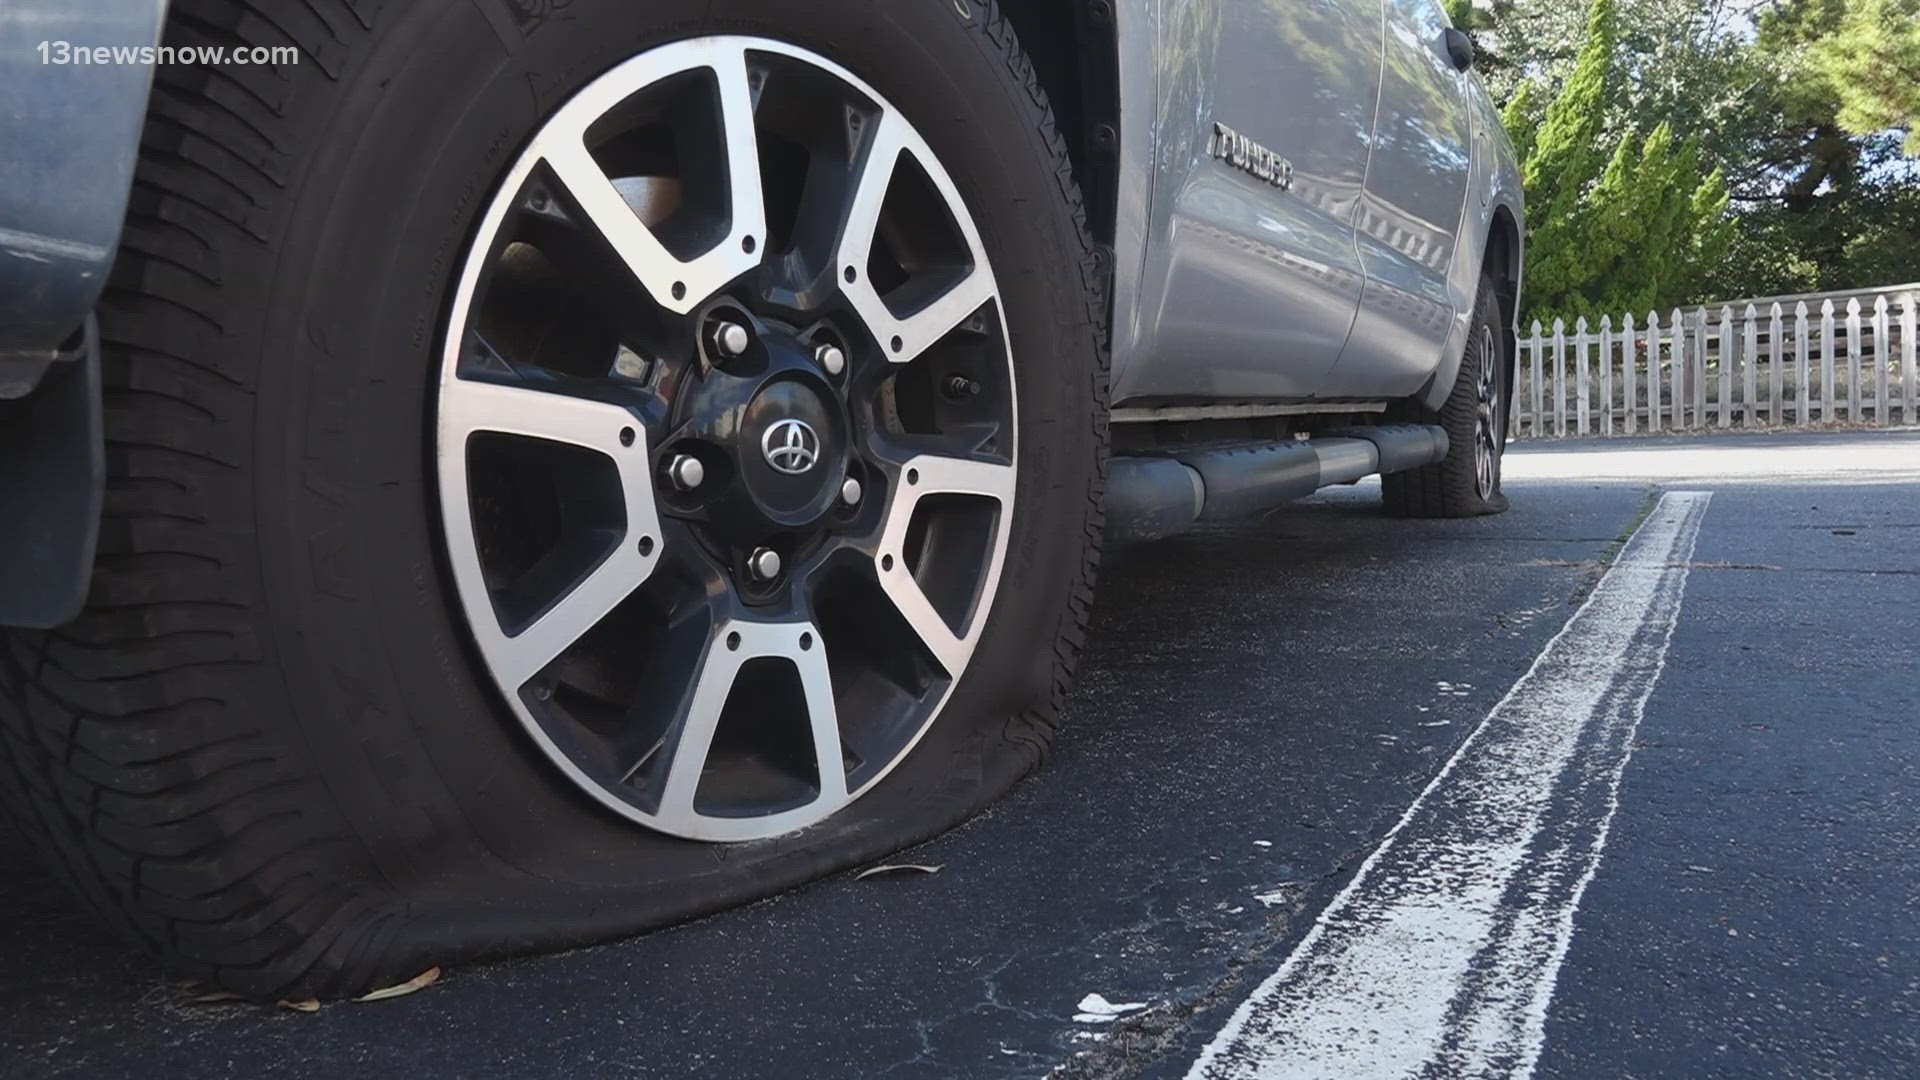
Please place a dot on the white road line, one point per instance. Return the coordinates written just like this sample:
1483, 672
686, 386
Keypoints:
1440, 957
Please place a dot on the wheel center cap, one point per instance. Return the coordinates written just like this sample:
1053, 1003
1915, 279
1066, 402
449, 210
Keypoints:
792, 448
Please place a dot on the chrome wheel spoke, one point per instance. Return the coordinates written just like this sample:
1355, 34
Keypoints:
689, 743
468, 408
931, 317
920, 477
674, 284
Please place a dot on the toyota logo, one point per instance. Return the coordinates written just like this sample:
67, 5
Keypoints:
790, 446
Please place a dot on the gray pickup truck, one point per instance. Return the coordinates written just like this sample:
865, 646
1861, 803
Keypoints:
491, 475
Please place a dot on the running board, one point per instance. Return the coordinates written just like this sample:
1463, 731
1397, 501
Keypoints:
1153, 497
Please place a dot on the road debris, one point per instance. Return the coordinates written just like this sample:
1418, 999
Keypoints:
896, 867
418, 982
1096, 1009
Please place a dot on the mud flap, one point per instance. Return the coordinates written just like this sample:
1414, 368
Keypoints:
52, 476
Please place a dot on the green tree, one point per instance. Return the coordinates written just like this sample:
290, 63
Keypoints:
1657, 224
1807, 153
1522, 121
1843, 207
1564, 160
1798, 104
1872, 61
1687, 63
1619, 221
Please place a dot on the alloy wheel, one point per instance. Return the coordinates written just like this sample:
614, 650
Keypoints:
1488, 419
726, 438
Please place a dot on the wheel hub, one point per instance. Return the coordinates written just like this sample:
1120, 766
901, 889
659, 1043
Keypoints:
792, 449
775, 434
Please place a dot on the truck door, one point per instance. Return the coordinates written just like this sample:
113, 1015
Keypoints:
1251, 276
1410, 215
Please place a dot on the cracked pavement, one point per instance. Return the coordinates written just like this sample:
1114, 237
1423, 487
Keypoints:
1259, 706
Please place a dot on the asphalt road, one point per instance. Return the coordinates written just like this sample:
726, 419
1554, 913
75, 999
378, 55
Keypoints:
1262, 706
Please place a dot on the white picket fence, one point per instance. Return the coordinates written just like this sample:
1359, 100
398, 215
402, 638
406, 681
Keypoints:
1786, 361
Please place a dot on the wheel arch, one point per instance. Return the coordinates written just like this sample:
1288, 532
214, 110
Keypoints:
1074, 47
1501, 259
1504, 262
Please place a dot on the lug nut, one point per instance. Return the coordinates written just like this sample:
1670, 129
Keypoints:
764, 564
831, 358
685, 472
729, 339
850, 491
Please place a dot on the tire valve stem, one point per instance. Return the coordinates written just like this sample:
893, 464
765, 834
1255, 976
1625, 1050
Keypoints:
959, 388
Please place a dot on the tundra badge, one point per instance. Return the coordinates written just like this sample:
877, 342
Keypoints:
1250, 157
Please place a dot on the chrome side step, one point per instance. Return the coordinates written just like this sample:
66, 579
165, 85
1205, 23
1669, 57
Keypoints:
1150, 497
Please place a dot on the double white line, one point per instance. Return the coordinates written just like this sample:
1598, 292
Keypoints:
1440, 957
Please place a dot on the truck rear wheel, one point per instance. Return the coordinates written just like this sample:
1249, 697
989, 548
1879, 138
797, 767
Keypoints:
1465, 483
550, 447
